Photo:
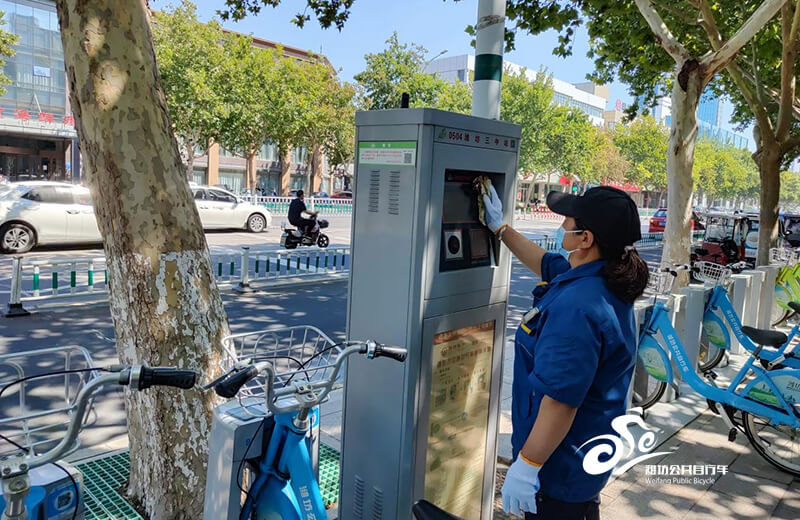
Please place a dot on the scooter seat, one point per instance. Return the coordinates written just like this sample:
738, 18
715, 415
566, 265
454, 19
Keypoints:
764, 337
795, 306
424, 510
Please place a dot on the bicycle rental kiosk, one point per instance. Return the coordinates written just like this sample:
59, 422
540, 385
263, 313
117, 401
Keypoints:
427, 275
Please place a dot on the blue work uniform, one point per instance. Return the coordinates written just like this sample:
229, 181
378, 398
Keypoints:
579, 349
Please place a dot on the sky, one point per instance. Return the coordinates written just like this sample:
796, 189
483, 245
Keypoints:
437, 25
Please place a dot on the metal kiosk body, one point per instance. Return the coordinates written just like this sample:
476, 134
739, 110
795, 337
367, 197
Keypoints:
426, 275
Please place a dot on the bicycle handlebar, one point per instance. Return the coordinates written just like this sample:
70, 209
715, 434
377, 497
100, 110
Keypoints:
228, 386
231, 384
137, 377
675, 269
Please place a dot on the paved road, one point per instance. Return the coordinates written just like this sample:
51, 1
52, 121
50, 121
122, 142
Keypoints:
322, 305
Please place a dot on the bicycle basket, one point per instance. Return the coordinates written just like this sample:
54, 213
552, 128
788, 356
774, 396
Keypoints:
298, 354
35, 413
711, 273
781, 256
659, 282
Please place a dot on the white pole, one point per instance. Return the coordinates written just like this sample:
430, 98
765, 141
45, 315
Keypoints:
489, 43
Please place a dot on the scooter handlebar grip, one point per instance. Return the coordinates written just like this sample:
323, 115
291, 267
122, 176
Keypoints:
167, 376
230, 386
396, 353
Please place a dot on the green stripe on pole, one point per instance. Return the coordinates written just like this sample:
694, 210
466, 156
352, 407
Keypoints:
316, 262
55, 281
105, 276
91, 278
334, 260
488, 66
298, 264
219, 269
256, 266
326, 260
232, 268
308, 261
35, 281
72, 278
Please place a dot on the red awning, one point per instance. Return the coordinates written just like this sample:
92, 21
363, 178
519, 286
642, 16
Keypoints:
564, 180
627, 186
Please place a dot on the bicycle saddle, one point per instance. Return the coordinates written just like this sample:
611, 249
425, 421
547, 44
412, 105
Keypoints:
424, 510
767, 338
795, 306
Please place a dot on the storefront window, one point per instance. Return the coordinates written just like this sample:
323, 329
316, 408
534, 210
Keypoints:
199, 176
269, 181
300, 155
268, 152
232, 180
297, 182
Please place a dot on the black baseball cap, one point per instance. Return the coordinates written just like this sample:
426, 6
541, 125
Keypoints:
609, 213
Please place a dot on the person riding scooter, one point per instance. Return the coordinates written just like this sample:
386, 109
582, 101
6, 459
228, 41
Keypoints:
296, 210
308, 229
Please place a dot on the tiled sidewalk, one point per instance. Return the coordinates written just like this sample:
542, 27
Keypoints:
752, 489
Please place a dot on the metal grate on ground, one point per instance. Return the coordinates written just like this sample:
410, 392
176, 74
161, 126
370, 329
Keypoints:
328, 474
103, 477
101, 480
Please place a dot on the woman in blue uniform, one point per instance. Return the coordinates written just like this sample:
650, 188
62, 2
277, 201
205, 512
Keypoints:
574, 350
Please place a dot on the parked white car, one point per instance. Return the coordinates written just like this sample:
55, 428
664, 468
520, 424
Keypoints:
43, 212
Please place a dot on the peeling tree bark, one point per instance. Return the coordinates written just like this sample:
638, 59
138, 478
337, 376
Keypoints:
164, 301
286, 169
315, 159
769, 162
189, 159
680, 162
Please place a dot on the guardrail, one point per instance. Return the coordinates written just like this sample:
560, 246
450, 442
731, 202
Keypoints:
325, 207
649, 240
43, 280
533, 213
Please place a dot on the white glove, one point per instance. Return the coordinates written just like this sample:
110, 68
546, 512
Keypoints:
520, 487
494, 210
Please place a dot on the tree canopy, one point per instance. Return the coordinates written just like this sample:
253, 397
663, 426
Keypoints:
191, 59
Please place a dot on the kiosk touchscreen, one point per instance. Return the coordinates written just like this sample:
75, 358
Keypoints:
427, 275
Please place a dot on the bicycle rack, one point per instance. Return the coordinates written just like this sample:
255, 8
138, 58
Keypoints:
32, 413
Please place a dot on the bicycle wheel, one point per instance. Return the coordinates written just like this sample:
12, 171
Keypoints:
780, 311
709, 355
779, 445
779, 315
647, 390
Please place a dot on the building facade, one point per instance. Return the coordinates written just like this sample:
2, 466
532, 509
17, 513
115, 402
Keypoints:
37, 130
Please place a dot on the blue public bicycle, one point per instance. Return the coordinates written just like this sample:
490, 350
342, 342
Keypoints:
764, 404
720, 319
282, 481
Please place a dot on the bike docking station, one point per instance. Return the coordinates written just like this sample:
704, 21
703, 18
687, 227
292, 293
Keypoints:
427, 275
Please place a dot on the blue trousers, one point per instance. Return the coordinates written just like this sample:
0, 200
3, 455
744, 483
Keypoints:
551, 509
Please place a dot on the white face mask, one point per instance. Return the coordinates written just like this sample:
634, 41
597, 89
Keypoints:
560, 234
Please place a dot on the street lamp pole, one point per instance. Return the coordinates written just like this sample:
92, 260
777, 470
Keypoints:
489, 43
434, 59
